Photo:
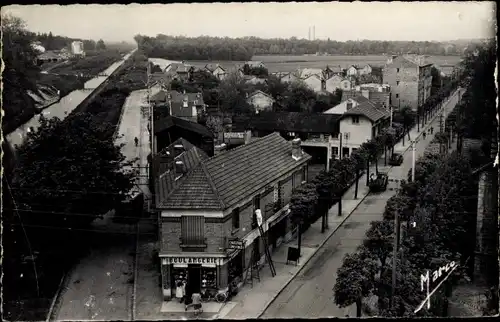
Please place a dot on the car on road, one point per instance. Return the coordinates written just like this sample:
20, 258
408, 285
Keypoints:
396, 159
379, 183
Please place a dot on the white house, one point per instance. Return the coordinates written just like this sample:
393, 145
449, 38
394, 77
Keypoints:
361, 123
346, 85
352, 71
365, 70
306, 72
332, 83
314, 83
343, 106
260, 100
216, 70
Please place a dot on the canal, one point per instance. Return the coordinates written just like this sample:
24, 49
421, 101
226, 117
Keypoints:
65, 106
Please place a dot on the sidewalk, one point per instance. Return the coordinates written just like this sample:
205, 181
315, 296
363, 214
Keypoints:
251, 302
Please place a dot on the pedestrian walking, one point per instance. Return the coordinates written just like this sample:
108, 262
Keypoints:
136, 140
432, 130
196, 302
424, 134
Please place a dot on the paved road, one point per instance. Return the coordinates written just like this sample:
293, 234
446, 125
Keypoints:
310, 294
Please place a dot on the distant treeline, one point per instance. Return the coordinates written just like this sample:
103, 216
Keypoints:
215, 48
51, 42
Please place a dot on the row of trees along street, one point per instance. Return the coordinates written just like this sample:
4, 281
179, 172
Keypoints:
442, 201
242, 49
67, 173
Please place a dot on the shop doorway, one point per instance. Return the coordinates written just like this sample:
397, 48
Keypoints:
194, 280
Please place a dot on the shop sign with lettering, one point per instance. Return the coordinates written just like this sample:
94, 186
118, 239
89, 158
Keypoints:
234, 135
236, 244
193, 260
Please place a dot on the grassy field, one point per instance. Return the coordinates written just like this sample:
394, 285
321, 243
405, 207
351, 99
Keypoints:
291, 63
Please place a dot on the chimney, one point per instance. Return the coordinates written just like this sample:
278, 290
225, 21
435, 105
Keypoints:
349, 106
180, 169
178, 149
365, 93
218, 149
296, 150
248, 136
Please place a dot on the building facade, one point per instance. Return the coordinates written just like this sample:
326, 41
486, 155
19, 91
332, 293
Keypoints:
209, 235
261, 101
410, 80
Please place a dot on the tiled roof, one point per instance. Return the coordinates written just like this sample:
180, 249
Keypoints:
260, 92
212, 67
367, 108
377, 98
177, 102
335, 69
295, 122
49, 55
170, 121
234, 175
306, 72
165, 166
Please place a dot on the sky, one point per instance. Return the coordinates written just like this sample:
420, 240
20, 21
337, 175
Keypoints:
341, 21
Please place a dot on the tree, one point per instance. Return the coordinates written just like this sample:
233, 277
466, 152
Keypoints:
77, 176
20, 72
373, 153
354, 280
379, 241
408, 118
302, 205
100, 45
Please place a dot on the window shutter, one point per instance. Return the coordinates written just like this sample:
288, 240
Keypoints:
193, 230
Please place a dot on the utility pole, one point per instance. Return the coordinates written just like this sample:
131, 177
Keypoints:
391, 115
413, 147
340, 146
394, 255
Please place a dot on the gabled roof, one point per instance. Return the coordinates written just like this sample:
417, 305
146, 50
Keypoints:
213, 67
312, 77
368, 109
171, 121
335, 68
232, 176
165, 166
295, 122
310, 72
262, 93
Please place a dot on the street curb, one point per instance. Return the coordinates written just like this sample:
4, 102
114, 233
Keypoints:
337, 228
310, 257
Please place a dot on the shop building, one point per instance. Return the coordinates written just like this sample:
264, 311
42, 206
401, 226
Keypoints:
208, 229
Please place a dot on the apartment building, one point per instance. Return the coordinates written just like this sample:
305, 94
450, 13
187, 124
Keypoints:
410, 79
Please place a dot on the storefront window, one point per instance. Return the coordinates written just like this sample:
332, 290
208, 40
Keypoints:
208, 278
179, 274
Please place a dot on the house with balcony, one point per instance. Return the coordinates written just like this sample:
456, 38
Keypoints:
260, 101
410, 79
207, 212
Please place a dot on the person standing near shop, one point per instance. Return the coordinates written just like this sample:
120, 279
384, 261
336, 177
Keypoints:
179, 291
